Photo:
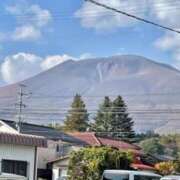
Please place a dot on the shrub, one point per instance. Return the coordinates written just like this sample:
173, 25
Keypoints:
166, 168
89, 163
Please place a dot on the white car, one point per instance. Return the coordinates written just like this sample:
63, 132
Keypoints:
172, 177
129, 175
5, 176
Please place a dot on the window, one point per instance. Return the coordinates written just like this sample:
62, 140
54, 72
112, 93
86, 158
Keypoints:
115, 177
57, 148
14, 167
141, 177
62, 172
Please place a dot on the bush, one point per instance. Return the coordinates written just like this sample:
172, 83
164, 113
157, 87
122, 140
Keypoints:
89, 163
152, 146
166, 168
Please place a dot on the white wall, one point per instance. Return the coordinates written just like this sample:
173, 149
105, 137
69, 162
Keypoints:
47, 154
60, 165
6, 129
21, 153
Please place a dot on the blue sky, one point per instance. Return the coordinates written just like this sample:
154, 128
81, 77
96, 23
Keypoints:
36, 35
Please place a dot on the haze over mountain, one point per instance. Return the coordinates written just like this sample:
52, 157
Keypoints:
151, 90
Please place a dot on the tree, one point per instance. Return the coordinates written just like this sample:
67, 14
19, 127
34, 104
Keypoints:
102, 124
121, 123
152, 146
89, 163
77, 118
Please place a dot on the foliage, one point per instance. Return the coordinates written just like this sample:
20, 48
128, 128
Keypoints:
77, 118
143, 136
177, 166
102, 123
113, 119
166, 168
122, 124
152, 146
172, 144
89, 163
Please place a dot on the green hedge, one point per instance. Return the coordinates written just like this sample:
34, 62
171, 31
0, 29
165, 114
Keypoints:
89, 163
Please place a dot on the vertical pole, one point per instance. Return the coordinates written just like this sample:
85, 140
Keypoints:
20, 109
35, 164
20, 106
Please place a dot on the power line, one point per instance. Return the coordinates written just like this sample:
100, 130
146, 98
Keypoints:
132, 16
160, 5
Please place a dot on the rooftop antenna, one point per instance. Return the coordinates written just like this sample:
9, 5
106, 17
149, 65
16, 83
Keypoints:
20, 105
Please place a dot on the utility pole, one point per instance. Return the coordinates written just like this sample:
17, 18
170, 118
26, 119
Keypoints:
20, 106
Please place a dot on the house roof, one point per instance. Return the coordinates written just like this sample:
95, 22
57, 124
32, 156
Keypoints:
58, 159
47, 132
93, 140
88, 137
22, 139
141, 167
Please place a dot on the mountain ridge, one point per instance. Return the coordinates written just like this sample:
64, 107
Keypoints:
135, 77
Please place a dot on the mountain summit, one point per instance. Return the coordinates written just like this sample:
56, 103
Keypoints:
150, 89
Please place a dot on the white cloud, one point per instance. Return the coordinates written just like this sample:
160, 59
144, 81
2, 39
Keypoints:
86, 56
52, 61
99, 18
92, 16
22, 65
170, 42
167, 12
31, 21
26, 33
30, 14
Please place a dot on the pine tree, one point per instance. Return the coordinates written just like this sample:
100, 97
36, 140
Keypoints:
122, 124
102, 124
77, 118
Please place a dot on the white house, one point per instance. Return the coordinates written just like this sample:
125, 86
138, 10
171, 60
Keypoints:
18, 153
5, 176
59, 167
58, 144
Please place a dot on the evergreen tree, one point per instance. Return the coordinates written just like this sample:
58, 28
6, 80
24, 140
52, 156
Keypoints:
102, 124
77, 118
121, 123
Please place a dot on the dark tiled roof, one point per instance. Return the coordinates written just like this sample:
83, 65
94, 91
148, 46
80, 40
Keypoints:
48, 132
22, 139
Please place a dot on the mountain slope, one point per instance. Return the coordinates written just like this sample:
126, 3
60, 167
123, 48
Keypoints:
142, 82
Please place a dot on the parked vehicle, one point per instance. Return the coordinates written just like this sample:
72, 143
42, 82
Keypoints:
129, 175
5, 176
172, 177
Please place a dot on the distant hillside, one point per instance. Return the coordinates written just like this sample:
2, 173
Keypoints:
151, 90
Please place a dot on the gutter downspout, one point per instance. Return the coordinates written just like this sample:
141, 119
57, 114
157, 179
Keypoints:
35, 163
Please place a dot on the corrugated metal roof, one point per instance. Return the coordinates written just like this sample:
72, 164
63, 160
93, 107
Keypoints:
22, 139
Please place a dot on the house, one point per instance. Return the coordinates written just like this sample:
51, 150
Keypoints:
60, 165
58, 144
18, 153
142, 161
6, 176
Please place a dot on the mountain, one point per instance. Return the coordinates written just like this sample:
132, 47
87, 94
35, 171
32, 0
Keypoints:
150, 89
